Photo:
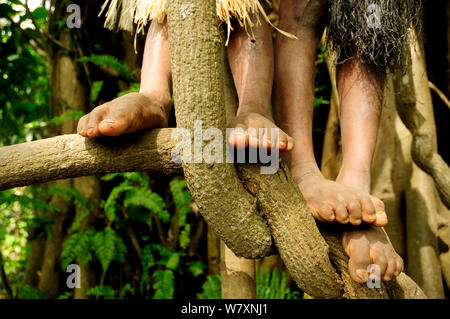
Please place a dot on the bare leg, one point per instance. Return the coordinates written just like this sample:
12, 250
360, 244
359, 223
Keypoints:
251, 62
360, 92
294, 96
137, 111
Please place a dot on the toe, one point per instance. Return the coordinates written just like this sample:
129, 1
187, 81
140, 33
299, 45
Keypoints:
290, 144
116, 121
95, 117
399, 265
358, 252
238, 138
381, 217
342, 214
323, 214
391, 268
379, 258
368, 210
269, 137
282, 141
354, 210
82, 125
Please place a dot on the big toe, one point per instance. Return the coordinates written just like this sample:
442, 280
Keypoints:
359, 254
238, 137
381, 216
113, 127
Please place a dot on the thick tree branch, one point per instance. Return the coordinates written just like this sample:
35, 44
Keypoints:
68, 156
196, 53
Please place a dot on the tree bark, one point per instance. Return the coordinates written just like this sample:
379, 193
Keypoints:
216, 188
70, 156
197, 68
414, 105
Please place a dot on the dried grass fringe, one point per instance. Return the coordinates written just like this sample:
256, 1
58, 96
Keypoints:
125, 13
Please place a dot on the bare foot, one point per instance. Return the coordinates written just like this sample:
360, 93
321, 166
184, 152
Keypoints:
361, 181
368, 246
247, 128
331, 201
126, 114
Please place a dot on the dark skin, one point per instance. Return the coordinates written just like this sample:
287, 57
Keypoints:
251, 62
346, 200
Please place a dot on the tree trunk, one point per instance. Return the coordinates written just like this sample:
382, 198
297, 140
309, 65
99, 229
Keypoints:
415, 108
237, 275
197, 68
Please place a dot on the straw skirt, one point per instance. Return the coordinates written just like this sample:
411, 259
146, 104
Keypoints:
123, 14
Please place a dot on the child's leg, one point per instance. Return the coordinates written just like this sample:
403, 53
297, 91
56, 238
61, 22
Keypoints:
136, 111
294, 96
360, 91
251, 62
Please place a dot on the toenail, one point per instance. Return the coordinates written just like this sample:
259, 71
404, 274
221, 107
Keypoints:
362, 274
90, 131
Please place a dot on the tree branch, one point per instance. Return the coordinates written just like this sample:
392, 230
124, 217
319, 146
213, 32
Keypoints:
69, 156
439, 93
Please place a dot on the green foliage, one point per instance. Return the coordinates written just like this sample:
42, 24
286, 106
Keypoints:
272, 285
137, 193
109, 62
96, 87
29, 292
106, 246
106, 292
182, 199
164, 284
197, 268
269, 285
211, 288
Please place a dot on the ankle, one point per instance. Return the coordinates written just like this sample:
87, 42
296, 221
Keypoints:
355, 178
305, 175
255, 108
160, 97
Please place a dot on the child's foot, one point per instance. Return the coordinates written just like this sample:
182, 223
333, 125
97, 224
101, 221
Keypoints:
369, 246
126, 114
334, 202
247, 128
361, 181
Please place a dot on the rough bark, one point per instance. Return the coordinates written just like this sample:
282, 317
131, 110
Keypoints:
70, 156
197, 67
201, 93
414, 105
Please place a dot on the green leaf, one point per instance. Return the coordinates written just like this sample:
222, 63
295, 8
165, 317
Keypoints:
211, 288
197, 268
95, 90
39, 13
102, 291
172, 262
164, 284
